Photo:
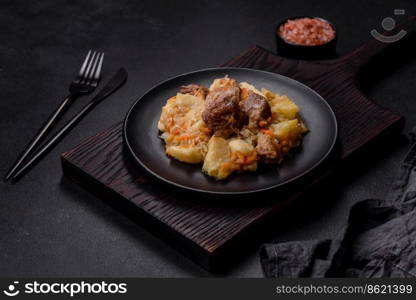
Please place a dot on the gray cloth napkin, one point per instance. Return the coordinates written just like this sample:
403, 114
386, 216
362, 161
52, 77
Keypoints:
379, 239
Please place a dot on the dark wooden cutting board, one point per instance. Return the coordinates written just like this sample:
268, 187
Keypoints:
208, 230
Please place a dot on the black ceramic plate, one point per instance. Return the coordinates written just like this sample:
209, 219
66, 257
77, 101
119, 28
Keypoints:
142, 137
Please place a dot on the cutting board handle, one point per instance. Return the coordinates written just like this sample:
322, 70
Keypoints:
401, 40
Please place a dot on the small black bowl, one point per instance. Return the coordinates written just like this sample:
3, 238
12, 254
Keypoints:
291, 50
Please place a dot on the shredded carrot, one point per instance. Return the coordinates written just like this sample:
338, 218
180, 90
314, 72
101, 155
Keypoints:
250, 159
171, 99
268, 132
241, 159
170, 122
262, 123
206, 130
243, 94
231, 120
184, 137
176, 131
227, 165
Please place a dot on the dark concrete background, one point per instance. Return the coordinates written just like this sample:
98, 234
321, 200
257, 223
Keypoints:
51, 227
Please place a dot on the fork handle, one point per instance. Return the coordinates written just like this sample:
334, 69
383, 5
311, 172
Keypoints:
55, 116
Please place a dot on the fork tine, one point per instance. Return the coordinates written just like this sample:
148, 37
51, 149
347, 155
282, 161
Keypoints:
93, 68
84, 64
84, 76
98, 71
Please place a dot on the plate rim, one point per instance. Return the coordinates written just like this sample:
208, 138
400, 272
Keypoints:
275, 186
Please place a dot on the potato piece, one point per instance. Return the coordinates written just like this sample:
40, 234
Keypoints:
288, 132
239, 145
191, 155
268, 94
243, 155
218, 154
282, 106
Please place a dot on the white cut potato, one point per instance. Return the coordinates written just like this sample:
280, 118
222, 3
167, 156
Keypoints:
191, 155
285, 107
218, 154
268, 94
239, 145
290, 131
243, 148
281, 106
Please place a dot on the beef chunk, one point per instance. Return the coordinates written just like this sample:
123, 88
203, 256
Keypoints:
256, 108
222, 113
194, 89
267, 148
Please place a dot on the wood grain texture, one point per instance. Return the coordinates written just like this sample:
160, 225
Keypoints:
206, 230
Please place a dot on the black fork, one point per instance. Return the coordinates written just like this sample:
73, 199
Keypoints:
84, 83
